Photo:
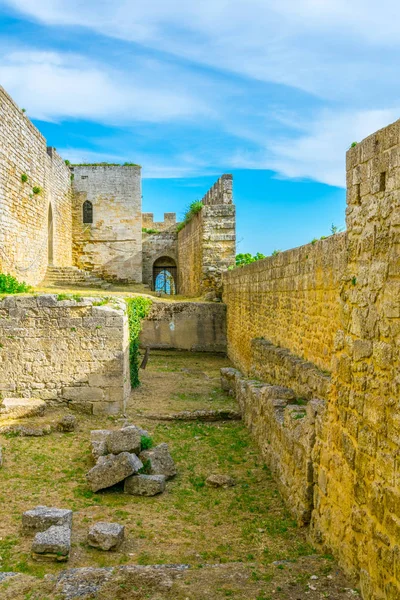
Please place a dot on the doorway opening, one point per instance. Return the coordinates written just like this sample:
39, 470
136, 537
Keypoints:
165, 276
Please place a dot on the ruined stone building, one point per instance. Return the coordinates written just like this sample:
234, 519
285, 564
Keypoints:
61, 223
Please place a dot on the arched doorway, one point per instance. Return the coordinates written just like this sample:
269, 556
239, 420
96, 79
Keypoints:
165, 276
50, 236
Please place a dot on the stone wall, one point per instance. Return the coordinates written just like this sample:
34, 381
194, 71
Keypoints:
24, 215
291, 299
65, 351
112, 245
357, 494
284, 429
207, 243
157, 245
197, 326
335, 307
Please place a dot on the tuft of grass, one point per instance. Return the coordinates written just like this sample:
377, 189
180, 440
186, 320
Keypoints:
146, 442
24, 177
149, 230
36, 190
193, 209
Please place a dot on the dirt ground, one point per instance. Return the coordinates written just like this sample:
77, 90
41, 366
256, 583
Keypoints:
239, 542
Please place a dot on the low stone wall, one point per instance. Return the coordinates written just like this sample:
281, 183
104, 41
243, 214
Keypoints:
284, 429
65, 351
197, 326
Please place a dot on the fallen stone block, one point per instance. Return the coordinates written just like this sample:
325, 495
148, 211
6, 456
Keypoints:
67, 424
124, 440
112, 469
23, 431
218, 481
98, 441
160, 461
199, 415
52, 544
106, 536
41, 518
19, 408
144, 485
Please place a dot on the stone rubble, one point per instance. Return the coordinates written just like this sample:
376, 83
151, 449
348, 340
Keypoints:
67, 424
41, 518
160, 461
112, 469
144, 485
218, 481
106, 536
52, 544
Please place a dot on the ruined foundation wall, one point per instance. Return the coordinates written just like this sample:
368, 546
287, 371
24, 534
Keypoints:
24, 222
196, 326
207, 244
111, 246
65, 351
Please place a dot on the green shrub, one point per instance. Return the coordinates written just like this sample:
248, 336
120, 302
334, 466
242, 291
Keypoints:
149, 230
24, 177
10, 285
247, 258
67, 162
36, 189
146, 442
194, 208
138, 309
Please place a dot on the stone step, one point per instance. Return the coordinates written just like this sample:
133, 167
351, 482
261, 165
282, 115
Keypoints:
73, 276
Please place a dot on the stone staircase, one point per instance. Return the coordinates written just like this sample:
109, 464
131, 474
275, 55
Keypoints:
71, 276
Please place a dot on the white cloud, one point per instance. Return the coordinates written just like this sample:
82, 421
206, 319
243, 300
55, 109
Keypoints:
52, 86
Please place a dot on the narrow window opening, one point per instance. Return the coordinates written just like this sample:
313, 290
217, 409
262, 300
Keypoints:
382, 182
87, 212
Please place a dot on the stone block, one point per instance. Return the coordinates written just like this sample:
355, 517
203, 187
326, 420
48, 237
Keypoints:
106, 536
112, 469
41, 518
88, 394
127, 439
52, 544
161, 462
144, 485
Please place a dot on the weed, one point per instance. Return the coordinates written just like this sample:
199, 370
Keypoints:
67, 162
146, 469
24, 177
146, 442
354, 280
36, 190
149, 230
138, 308
353, 144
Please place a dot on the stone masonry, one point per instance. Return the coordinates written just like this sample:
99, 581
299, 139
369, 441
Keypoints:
324, 320
65, 351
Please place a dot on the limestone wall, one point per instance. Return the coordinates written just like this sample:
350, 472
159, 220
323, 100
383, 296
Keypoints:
291, 300
24, 215
197, 326
207, 243
112, 245
65, 351
157, 245
357, 494
168, 223
335, 307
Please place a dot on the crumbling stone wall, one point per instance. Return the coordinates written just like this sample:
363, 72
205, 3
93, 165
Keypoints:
166, 225
65, 351
112, 245
335, 306
207, 244
24, 227
196, 326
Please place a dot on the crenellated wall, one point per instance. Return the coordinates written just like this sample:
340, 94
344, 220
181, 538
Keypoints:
324, 320
24, 214
207, 243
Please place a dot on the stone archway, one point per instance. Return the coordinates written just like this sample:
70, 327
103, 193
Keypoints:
165, 275
50, 237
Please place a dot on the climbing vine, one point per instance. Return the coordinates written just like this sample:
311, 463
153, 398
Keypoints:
138, 309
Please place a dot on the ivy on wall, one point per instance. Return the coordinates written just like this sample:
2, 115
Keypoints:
138, 309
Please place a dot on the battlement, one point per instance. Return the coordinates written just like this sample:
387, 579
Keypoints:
221, 191
149, 223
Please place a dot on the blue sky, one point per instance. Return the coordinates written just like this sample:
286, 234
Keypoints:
273, 92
